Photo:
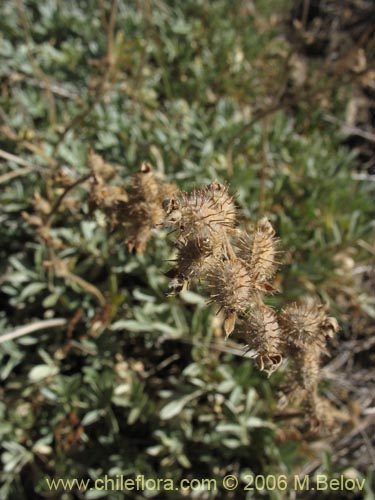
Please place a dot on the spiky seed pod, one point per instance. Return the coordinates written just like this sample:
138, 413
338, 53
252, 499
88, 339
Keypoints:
231, 287
193, 261
262, 333
202, 213
306, 367
303, 376
306, 324
303, 379
259, 250
238, 268
137, 211
151, 187
144, 210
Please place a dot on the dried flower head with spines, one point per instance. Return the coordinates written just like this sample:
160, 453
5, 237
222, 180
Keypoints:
137, 209
306, 328
193, 261
231, 287
259, 250
202, 213
144, 210
307, 324
262, 333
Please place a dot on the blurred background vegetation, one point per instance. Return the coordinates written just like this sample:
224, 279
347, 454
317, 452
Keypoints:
274, 97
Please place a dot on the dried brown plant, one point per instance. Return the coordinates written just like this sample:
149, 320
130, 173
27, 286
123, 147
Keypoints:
144, 209
236, 267
306, 328
135, 207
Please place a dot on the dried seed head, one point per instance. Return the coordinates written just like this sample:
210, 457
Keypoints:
203, 213
306, 367
237, 268
144, 210
138, 211
306, 324
259, 250
193, 261
230, 286
262, 333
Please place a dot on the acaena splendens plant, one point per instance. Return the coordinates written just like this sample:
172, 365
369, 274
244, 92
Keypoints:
235, 266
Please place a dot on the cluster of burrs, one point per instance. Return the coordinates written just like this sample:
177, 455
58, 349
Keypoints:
307, 328
134, 207
236, 267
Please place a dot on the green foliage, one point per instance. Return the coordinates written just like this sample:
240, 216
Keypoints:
137, 388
